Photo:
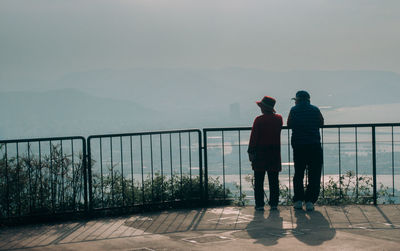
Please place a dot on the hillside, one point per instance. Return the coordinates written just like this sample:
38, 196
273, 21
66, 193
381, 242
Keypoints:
66, 112
154, 99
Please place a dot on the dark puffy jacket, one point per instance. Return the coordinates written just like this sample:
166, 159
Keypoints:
305, 120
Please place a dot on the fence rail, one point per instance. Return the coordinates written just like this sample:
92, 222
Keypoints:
132, 169
364, 151
50, 176
44, 176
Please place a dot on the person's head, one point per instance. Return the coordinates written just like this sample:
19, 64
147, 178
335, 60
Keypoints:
267, 104
302, 96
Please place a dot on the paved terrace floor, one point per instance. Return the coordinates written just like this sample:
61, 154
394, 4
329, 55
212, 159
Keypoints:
220, 228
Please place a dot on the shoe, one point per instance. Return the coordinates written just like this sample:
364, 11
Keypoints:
298, 204
309, 206
273, 208
259, 208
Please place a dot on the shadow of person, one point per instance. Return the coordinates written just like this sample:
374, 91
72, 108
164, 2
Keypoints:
268, 230
312, 228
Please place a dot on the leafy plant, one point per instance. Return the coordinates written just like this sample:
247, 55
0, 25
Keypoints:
240, 198
48, 184
53, 183
349, 189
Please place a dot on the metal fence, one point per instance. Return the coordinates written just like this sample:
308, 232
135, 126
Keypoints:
53, 176
42, 177
136, 169
360, 161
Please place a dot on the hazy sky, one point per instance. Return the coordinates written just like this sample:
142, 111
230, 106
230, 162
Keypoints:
44, 39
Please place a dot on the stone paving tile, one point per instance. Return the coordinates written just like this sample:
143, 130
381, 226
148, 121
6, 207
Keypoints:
105, 233
115, 229
83, 227
391, 212
161, 223
355, 215
103, 227
88, 233
33, 238
337, 217
372, 214
167, 222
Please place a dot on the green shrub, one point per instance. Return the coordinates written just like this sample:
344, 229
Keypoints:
349, 190
115, 190
52, 183
30, 185
352, 190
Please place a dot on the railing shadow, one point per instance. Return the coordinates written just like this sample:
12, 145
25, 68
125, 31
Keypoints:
265, 228
36, 236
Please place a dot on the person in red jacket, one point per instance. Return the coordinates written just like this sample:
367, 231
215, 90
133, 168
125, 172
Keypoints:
265, 152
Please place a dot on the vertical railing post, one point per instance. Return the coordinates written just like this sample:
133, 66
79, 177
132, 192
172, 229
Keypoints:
340, 166
205, 167
323, 163
240, 168
7, 182
374, 164
356, 139
223, 162
87, 174
393, 189
201, 166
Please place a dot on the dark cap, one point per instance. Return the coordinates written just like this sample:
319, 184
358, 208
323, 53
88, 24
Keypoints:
302, 95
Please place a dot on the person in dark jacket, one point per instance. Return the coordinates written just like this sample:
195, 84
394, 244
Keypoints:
305, 120
265, 152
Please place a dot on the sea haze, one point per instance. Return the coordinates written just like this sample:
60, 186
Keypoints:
142, 99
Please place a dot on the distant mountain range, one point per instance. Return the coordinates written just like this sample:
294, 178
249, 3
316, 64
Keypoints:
67, 111
148, 99
203, 88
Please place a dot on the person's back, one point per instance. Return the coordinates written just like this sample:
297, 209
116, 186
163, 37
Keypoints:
264, 152
265, 140
305, 121
269, 129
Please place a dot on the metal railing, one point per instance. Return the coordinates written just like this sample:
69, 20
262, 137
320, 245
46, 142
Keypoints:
40, 177
137, 169
363, 154
54, 176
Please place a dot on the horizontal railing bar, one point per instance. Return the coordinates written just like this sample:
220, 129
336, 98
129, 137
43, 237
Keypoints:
285, 127
213, 145
185, 130
361, 125
143, 133
8, 141
226, 129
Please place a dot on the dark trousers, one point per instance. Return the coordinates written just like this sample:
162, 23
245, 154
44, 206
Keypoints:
273, 183
308, 157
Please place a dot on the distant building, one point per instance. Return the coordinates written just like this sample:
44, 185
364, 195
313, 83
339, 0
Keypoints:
234, 112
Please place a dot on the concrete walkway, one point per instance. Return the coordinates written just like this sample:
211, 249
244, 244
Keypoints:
221, 228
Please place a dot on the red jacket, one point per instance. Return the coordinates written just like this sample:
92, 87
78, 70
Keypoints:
265, 143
